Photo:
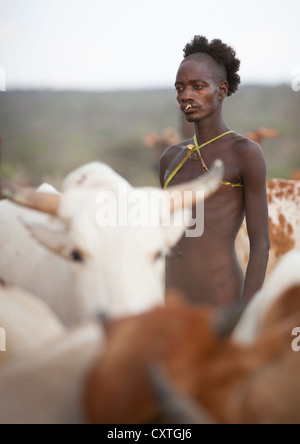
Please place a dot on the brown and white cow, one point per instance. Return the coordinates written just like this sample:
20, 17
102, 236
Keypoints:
262, 133
284, 223
235, 383
82, 375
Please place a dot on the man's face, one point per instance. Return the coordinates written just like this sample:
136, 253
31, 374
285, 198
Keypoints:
197, 92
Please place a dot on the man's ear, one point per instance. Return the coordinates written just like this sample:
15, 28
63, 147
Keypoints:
223, 90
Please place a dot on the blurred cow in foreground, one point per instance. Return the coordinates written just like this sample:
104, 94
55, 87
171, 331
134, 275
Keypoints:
44, 367
232, 382
77, 258
177, 364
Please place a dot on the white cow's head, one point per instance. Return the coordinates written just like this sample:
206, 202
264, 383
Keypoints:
115, 237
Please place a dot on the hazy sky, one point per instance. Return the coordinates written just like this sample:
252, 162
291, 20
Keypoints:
117, 44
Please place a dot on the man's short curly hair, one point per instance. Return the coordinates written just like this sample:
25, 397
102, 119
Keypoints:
221, 53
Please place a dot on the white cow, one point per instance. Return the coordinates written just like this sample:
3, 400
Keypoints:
285, 276
284, 209
45, 386
45, 366
75, 263
27, 321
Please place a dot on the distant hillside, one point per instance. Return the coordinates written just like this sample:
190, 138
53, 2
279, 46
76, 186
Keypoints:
272, 107
47, 134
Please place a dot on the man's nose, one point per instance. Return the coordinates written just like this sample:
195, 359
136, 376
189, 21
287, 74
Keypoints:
187, 95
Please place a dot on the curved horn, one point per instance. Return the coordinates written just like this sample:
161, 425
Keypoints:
209, 184
175, 408
28, 197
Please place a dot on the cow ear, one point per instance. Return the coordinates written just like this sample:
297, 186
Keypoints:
51, 234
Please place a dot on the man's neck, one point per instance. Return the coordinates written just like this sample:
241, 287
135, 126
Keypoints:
206, 131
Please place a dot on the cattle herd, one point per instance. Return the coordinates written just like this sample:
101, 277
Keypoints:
90, 337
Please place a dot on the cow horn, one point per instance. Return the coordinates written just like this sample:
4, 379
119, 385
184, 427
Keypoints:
30, 198
209, 184
175, 408
226, 319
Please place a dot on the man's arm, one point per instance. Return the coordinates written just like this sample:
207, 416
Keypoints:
162, 169
257, 218
165, 160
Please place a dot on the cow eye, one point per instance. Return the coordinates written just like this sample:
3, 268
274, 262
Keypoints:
158, 256
76, 256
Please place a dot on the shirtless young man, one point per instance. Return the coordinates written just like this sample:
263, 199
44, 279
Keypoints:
206, 268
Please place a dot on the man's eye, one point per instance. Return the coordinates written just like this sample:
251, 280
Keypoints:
179, 89
199, 86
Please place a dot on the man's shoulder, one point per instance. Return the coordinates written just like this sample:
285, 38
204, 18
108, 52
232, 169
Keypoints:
245, 146
250, 158
173, 150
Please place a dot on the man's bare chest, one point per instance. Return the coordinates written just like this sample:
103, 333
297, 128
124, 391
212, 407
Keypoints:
191, 168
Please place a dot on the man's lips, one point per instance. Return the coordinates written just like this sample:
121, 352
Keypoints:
188, 108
